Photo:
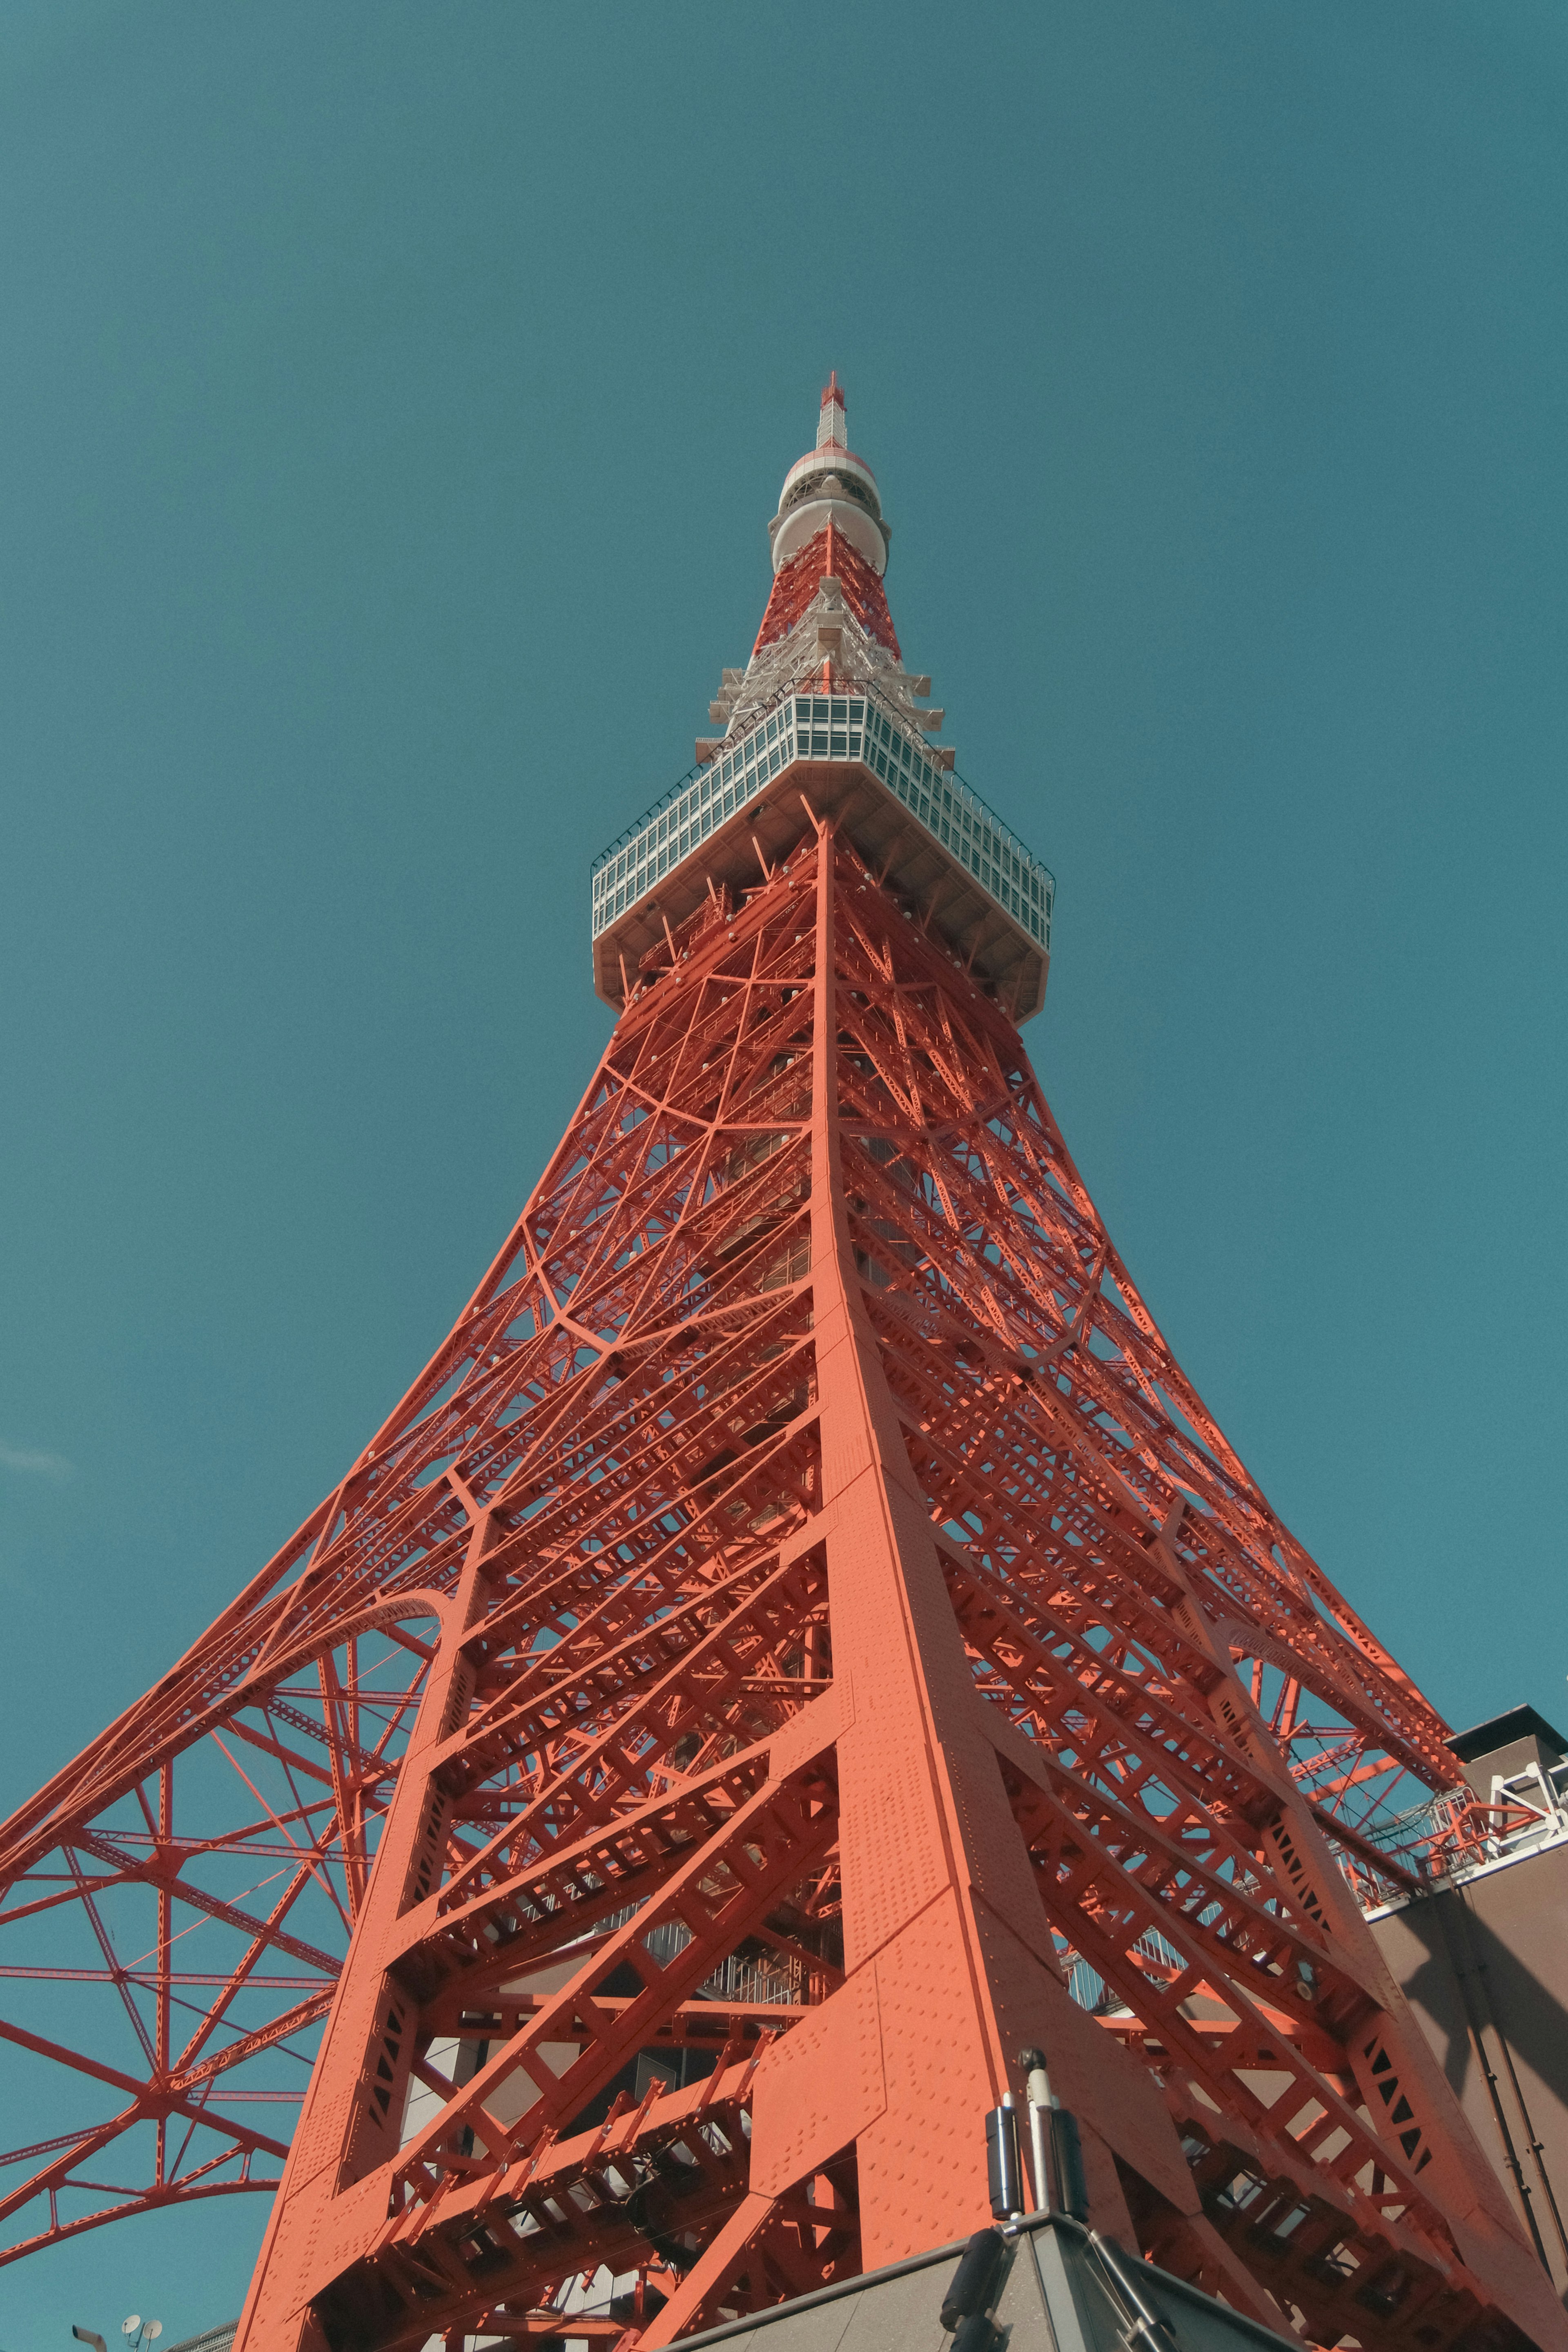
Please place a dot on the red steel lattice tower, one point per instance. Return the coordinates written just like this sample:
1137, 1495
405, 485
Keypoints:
800, 1641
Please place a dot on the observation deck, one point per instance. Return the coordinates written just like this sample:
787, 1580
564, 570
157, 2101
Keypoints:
927, 836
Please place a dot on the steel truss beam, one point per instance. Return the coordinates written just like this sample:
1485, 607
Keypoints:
800, 1620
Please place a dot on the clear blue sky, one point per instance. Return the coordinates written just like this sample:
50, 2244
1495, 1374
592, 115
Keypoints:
392, 397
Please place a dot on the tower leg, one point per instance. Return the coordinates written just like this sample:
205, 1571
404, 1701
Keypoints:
948, 1954
715, 1688
350, 2120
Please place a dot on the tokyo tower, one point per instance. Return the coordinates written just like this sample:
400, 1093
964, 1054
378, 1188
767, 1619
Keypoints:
800, 1645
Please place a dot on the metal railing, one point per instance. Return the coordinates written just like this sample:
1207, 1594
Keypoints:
859, 727
773, 1982
1457, 1832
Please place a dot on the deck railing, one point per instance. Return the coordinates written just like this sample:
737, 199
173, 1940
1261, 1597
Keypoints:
859, 727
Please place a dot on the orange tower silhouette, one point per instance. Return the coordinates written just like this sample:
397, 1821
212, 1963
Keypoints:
800, 1641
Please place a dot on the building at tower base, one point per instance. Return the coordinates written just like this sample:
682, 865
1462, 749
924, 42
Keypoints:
1482, 1958
1054, 2289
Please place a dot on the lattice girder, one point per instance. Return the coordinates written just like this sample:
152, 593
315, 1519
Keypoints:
806, 1569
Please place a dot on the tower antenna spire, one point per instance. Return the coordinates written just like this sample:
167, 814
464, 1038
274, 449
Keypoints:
831, 426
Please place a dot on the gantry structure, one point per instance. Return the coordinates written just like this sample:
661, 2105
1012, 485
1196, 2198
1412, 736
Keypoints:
801, 1643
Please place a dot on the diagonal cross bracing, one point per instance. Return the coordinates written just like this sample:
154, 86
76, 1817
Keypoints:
880, 1303
800, 1621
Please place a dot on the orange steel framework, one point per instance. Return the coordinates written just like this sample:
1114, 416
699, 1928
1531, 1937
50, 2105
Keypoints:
827, 556
800, 1641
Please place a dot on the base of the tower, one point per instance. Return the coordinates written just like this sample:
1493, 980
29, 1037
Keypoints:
1056, 2292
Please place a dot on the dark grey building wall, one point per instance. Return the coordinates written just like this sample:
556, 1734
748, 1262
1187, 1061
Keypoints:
1486, 1969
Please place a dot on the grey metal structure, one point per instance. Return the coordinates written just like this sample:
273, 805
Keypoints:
928, 835
1061, 2289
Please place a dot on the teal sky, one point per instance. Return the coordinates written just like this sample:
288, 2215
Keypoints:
392, 397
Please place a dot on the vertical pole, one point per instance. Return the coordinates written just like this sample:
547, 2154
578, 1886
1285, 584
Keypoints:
165, 1941
1037, 2090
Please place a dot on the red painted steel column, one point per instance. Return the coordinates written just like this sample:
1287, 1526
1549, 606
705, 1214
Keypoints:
950, 1957
345, 2135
